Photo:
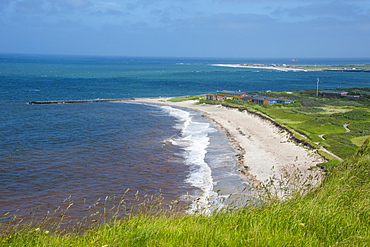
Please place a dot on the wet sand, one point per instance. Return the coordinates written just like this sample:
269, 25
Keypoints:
265, 152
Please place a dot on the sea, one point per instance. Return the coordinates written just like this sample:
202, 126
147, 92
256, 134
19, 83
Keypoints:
85, 153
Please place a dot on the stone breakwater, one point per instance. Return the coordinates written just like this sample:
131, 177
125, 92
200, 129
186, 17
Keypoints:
74, 101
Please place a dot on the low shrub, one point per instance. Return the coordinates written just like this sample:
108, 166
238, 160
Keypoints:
310, 109
357, 114
180, 99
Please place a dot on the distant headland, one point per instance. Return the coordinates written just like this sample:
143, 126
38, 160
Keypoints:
304, 67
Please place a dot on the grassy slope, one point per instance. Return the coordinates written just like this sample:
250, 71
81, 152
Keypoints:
338, 213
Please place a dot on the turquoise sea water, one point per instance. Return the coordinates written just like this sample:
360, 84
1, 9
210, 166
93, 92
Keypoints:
92, 150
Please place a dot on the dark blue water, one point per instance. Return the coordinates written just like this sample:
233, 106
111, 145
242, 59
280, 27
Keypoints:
89, 151
27, 78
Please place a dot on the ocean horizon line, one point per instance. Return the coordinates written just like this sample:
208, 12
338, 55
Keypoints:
295, 60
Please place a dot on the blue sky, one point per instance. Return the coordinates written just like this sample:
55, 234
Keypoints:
187, 28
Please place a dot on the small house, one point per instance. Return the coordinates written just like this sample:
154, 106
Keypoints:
331, 93
214, 97
233, 95
263, 100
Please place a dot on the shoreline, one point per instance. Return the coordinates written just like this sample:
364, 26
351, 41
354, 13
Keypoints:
305, 68
265, 153
279, 68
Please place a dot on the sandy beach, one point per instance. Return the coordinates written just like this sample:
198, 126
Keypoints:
265, 152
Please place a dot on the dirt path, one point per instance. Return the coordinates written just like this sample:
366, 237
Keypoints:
346, 127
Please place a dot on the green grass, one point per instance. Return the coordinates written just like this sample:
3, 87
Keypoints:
335, 214
359, 140
180, 99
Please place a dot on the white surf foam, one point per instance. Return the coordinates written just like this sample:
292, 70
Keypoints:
194, 140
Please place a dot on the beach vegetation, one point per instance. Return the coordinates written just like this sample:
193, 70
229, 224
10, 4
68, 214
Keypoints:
358, 140
310, 109
357, 114
335, 214
180, 99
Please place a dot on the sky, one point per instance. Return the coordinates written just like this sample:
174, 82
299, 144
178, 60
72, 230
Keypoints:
187, 28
